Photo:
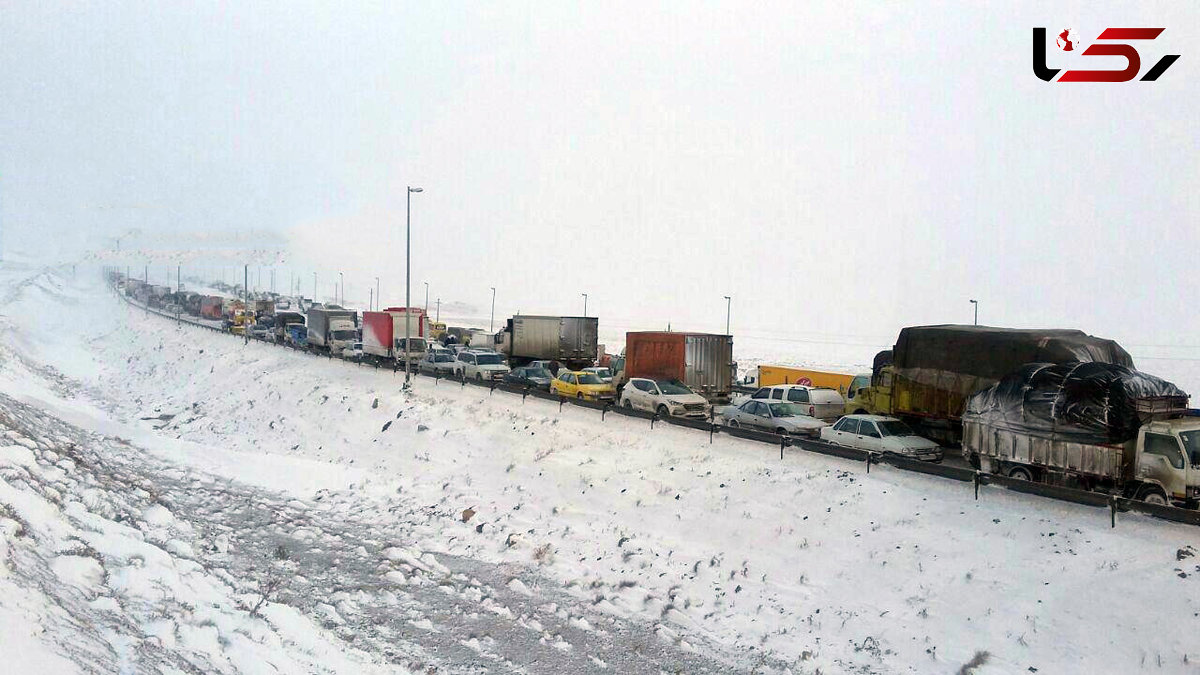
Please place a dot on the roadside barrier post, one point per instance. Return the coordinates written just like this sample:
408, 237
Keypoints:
783, 441
868, 462
1112, 506
975, 479
561, 401
604, 411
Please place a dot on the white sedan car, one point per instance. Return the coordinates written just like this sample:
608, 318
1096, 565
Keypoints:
881, 434
665, 397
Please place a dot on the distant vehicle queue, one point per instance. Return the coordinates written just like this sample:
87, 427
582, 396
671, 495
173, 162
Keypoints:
1054, 406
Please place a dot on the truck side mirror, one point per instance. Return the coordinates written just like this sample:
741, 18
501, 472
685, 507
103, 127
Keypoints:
1196, 458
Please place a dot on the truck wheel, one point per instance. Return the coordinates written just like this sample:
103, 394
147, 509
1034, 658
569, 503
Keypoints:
1020, 473
663, 412
628, 405
781, 431
1153, 495
732, 424
579, 395
479, 377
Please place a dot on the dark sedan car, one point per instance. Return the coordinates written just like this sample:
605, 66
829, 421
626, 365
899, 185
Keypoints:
532, 376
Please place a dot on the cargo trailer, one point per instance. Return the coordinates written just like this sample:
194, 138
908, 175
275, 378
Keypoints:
928, 376
702, 361
383, 334
331, 330
1095, 426
570, 340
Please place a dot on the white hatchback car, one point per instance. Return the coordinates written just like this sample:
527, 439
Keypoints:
881, 434
665, 397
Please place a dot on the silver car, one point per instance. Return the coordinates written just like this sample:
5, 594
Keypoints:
877, 433
602, 373
440, 363
822, 403
778, 417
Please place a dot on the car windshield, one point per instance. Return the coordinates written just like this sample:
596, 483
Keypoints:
343, 335
538, 372
673, 387
589, 378
603, 372
786, 410
894, 428
1191, 445
488, 359
443, 358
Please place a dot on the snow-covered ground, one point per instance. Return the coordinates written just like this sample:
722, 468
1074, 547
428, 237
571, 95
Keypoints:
162, 481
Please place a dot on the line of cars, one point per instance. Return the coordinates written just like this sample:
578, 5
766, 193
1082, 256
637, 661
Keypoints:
817, 413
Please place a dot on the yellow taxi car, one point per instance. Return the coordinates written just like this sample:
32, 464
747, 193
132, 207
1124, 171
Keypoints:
585, 385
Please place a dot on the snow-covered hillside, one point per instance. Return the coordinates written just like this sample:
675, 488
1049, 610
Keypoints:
174, 498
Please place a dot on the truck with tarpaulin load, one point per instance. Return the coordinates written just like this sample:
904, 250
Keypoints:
927, 377
1094, 426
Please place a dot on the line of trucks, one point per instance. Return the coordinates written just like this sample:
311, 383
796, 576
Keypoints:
1055, 406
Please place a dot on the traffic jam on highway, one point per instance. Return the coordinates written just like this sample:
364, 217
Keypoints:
1057, 406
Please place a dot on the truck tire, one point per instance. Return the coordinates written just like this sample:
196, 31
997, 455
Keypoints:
1020, 473
732, 424
479, 377
663, 411
628, 405
1153, 495
579, 395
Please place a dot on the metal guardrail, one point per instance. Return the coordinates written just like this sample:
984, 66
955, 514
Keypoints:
979, 479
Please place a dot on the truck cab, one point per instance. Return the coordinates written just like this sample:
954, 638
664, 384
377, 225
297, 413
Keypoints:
342, 333
1169, 457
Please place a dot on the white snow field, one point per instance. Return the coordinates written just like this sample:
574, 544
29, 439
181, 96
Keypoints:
174, 500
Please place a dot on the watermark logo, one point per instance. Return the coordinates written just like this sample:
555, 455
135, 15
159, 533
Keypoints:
1106, 45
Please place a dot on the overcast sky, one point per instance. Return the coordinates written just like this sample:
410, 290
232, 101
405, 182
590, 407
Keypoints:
838, 168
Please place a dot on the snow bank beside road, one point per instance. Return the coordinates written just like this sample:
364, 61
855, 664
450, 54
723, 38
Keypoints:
126, 591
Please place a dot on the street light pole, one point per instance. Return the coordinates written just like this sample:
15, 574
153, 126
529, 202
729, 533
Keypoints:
584, 304
976, 304
314, 287
378, 298
728, 307
341, 289
426, 298
492, 321
438, 317
408, 279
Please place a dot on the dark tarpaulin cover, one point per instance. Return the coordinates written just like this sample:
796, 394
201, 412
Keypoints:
991, 353
1078, 402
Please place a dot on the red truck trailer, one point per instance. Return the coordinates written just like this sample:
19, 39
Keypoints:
383, 332
211, 307
702, 361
